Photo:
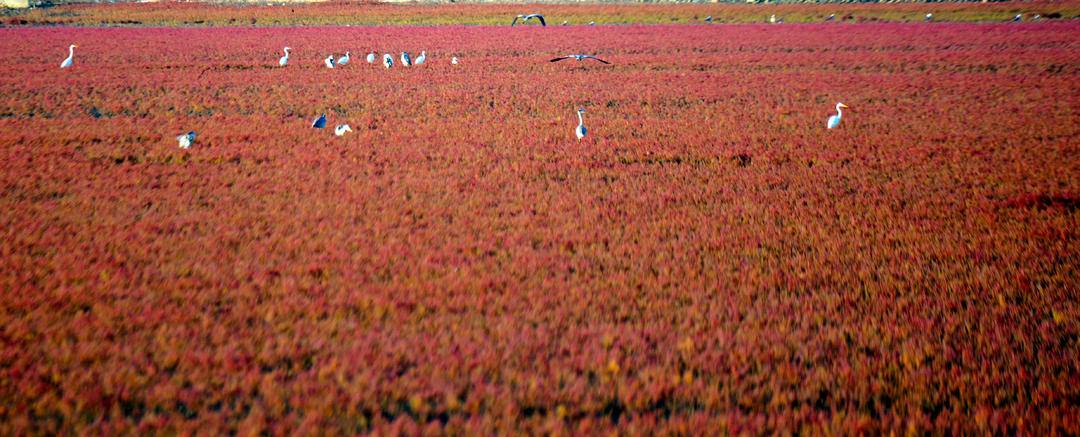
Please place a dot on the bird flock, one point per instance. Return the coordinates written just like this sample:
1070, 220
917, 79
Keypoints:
188, 139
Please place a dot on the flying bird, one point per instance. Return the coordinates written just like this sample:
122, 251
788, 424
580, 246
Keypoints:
320, 122
186, 140
580, 131
830, 17
329, 61
1018, 17
371, 58
579, 58
71, 56
387, 60
565, 22
420, 59
526, 18
284, 59
834, 120
344, 59
592, 23
341, 129
453, 61
708, 19
929, 17
405, 59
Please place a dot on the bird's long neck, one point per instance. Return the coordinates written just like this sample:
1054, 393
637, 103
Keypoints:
580, 119
839, 112
71, 51
286, 51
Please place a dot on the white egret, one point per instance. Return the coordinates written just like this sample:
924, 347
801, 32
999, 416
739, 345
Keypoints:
774, 20
329, 61
453, 61
186, 140
405, 59
565, 22
341, 129
387, 60
708, 19
420, 59
579, 58
371, 58
526, 18
580, 131
71, 57
320, 122
284, 59
830, 17
929, 17
592, 23
1018, 17
344, 59
834, 120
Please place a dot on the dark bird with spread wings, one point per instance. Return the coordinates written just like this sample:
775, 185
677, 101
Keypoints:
525, 19
580, 58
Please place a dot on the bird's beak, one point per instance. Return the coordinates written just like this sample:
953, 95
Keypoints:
844, 106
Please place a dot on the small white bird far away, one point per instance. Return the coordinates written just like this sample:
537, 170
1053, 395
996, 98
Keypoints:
525, 19
71, 57
341, 129
186, 140
284, 59
329, 61
344, 59
453, 60
371, 58
580, 131
387, 60
405, 59
834, 120
420, 59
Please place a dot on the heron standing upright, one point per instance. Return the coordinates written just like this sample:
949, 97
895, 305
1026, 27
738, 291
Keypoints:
580, 131
71, 57
284, 59
834, 120
344, 59
420, 59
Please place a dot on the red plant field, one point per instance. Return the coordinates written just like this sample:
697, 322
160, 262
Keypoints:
709, 259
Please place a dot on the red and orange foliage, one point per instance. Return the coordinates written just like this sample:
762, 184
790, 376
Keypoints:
709, 258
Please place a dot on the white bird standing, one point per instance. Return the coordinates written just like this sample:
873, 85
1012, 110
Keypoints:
329, 61
526, 18
405, 59
344, 59
580, 131
387, 60
320, 122
186, 140
420, 59
284, 59
772, 19
371, 58
929, 17
453, 60
71, 57
834, 120
341, 129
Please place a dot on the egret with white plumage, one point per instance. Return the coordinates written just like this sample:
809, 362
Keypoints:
834, 120
71, 57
